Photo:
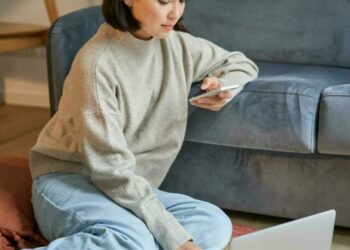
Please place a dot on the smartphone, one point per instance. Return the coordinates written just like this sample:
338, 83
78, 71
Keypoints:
214, 92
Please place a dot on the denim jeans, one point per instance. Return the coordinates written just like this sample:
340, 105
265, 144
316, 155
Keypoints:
73, 214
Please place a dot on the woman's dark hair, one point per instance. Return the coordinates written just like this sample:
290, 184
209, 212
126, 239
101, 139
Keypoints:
118, 15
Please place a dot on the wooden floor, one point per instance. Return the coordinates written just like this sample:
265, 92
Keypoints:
19, 129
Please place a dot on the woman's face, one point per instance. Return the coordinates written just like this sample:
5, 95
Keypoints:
157, 17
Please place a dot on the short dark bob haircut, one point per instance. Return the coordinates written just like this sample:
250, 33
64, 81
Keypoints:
118, 15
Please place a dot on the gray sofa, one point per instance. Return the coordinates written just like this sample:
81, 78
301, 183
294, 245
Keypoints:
282, 146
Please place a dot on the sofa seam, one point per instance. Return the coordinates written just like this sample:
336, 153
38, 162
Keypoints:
245, 147
315, 120
276, 92
338, 95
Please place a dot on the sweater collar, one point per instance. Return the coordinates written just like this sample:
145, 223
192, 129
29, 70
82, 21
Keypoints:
128, 40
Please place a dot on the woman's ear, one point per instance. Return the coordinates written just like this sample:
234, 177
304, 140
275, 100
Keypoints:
128, 3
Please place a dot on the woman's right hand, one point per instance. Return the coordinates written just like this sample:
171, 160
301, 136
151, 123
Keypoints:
189, 245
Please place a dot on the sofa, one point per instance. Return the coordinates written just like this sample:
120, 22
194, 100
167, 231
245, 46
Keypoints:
282, 146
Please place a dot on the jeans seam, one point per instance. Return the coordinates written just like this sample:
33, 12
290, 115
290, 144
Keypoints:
69, 212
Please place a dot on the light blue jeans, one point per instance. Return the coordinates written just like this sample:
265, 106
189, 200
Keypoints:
73, 214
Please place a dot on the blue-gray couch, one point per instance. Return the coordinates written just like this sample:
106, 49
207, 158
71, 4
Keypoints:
282, 147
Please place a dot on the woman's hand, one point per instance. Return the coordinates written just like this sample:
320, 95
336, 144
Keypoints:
213, 103
189, 245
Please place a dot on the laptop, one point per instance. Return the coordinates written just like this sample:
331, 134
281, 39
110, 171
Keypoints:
310, 233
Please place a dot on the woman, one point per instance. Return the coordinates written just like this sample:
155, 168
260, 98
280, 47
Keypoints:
99, 161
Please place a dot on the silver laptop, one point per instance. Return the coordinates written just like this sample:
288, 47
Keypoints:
310, 233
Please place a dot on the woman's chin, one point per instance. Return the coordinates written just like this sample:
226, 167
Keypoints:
162, 35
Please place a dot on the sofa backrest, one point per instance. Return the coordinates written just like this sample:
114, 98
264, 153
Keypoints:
66, 36
292, 31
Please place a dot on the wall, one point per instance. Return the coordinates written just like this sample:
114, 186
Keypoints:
23, 79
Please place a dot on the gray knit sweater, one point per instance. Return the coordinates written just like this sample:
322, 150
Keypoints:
122, 116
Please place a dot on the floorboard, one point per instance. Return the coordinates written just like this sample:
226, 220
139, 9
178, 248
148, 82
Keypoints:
17, 121
19, 146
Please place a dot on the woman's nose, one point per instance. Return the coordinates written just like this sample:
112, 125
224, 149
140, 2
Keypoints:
176, 11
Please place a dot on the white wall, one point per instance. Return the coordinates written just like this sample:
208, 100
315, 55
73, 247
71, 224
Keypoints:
23, 79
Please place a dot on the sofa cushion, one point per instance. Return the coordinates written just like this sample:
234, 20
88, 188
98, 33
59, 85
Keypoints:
276, 112
334, 120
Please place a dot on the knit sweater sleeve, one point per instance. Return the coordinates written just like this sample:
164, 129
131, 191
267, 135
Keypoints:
104, 150
208, 59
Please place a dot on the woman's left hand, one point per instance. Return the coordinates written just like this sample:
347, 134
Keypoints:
213, 103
